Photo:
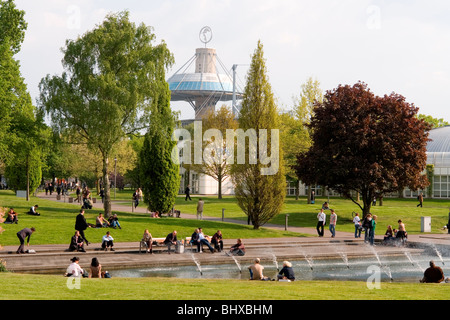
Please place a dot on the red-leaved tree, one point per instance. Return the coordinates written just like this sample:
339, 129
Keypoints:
365, 144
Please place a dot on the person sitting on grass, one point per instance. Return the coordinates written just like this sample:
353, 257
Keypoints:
74, 269
256, 271
33, 211
12, 217
100, 222
433, 274
286, 273
114, 222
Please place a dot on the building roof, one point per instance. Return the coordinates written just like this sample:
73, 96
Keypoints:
438, 149
192, 85
440, 140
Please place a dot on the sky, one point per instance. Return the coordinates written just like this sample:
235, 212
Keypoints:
400, 46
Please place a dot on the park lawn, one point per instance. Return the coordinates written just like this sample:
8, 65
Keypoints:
57, 221
54, 287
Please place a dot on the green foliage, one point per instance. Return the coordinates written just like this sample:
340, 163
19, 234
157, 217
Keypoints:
259, 196
12, 26
17, 169
110, 83
434, 122
159, 173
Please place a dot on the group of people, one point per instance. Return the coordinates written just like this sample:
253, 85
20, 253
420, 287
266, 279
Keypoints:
79, 238
12, 217
368, 224
75, 270
285, 274
396, 235
322, 220
199, 239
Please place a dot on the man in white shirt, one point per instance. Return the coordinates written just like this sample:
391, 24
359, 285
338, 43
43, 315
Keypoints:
202, 239
107, 241
322, 217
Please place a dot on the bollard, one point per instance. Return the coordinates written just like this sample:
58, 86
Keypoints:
223, 214
286, 222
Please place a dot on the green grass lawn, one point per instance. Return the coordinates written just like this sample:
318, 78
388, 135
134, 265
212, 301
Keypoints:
57, 221
56, 224
50, 287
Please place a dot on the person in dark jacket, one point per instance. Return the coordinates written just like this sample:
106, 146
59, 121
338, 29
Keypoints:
22, 234
217, 241
187, 191
195, 239
171, 240
77, 242
81, 225
286, 273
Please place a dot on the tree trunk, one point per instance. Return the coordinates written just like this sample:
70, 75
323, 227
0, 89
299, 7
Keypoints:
219, 181
28, 176
107, 200
367, 198
309, 195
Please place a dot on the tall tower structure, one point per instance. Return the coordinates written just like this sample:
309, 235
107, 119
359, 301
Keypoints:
208, 84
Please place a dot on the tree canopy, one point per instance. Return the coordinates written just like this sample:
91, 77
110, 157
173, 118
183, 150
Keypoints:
110, 80
365, 144
260, 187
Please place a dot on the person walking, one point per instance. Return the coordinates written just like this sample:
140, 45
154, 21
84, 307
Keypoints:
187, 191
200, 209
420, 198
333, 220
81, 225
22, 234
322, 217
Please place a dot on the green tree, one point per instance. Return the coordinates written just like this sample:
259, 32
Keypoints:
434, 122
295, 135
22, 130
259, 192
108, 87
15, 101
160, 176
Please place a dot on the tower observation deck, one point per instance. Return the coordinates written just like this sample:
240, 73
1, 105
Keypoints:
209, 84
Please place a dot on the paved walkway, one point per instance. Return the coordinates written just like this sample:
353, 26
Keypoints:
54, 258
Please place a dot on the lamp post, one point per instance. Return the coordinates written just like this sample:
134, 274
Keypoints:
115, 176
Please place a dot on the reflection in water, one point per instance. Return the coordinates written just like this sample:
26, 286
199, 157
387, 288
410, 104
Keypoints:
400, 269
